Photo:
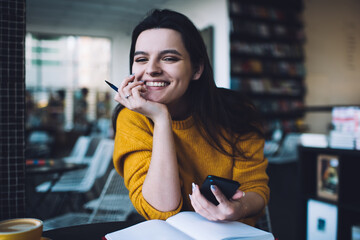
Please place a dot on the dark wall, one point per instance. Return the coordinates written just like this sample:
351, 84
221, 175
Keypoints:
12, 108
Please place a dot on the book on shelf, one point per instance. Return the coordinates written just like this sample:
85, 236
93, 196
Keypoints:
189, 225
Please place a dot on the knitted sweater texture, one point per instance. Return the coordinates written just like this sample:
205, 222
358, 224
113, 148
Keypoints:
196, 159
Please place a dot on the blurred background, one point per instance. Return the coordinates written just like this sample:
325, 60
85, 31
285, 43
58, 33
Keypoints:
298, 61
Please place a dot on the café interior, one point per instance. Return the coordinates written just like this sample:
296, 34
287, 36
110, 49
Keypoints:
50, 163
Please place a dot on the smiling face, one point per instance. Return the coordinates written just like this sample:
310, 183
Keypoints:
163, 63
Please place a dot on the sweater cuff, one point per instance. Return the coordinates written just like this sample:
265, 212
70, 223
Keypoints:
149, 212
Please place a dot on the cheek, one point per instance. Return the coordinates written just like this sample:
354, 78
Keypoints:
185, 75
133, 69
186, 72
137, 69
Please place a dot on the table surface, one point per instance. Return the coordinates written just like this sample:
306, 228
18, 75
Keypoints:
93, 231
50, 166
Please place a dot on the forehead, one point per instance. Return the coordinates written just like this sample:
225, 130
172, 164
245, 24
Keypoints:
158, 39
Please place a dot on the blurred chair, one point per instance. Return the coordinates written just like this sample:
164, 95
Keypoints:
82, 181
79, 150
94, 142
83, 150
113, 204
264, 223
288, 150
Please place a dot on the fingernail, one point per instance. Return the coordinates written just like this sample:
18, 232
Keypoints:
213, 187
190, 196
193, 186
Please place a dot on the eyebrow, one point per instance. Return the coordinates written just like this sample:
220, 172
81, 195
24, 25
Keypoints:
172, 51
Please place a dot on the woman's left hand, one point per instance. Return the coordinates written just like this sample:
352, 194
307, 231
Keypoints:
227, 209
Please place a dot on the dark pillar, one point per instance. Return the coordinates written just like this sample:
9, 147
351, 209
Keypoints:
12, 108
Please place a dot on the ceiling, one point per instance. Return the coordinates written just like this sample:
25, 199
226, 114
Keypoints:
91, 15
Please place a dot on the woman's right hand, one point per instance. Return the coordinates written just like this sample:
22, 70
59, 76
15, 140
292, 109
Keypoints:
130, 95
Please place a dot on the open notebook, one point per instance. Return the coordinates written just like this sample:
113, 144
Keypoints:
189, 225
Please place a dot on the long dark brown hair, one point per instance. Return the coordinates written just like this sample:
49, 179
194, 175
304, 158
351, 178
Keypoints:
214, 109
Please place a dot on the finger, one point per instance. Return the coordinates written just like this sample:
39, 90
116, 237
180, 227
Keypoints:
238, 194
131, 88
194, 203
137, 90
220, 197
134, 93
199, 209
119, 99
206, 208
127, 96
196, 196
133, 97
124, 93
126, 81
201, 199
133, 84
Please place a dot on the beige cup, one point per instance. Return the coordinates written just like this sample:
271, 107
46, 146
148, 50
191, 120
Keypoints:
21, 229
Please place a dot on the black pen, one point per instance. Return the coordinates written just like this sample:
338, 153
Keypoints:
112, 86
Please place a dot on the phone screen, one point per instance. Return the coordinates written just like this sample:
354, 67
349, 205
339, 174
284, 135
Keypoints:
227, 186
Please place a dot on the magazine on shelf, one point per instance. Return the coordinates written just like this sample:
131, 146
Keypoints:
190, 225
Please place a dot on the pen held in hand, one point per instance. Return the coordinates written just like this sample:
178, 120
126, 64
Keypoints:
112, 86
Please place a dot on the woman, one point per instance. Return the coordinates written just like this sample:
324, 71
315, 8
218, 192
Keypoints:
178, 127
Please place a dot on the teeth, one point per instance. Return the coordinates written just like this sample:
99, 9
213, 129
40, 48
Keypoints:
155, 84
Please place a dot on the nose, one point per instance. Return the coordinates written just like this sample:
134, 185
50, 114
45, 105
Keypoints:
153, 68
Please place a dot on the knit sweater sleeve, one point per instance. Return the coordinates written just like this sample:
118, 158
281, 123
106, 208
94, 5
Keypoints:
132, 156
251, 171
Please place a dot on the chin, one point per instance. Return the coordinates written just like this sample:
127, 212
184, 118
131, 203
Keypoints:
152, 98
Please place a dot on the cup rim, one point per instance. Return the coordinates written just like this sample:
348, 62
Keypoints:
39, 224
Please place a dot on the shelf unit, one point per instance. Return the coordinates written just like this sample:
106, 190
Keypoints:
348, 202
267, 59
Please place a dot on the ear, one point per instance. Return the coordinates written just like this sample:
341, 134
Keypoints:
198, 72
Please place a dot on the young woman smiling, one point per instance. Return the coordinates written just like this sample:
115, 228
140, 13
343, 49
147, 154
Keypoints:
174, 127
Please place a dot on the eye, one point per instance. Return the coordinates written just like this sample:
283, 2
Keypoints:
140, 59
170, 59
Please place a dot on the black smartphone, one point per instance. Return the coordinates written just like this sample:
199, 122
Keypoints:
227, 186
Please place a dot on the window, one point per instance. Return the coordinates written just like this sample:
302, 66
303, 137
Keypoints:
65, 80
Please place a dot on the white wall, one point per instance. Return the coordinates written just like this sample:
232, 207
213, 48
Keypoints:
214, 13
332, 29
120, 53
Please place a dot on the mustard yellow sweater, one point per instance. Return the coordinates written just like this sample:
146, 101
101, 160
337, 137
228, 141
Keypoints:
196, 159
